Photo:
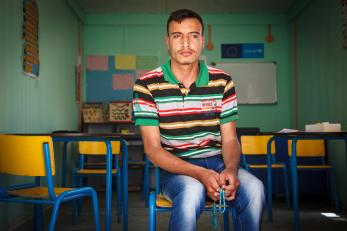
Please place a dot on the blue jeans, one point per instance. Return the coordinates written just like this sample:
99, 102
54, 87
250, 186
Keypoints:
188, 196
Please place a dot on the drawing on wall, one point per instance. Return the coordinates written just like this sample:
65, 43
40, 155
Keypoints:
31, 61
111, 78
120, 111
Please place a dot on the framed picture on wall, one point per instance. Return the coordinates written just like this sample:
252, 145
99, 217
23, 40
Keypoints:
120, 111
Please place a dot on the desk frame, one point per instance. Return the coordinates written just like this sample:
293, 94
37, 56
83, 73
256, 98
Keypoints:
75, 137
294, 172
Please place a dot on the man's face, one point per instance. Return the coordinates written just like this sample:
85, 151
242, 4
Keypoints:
185, 41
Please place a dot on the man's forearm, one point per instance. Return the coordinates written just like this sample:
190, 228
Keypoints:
231, 152
171, 163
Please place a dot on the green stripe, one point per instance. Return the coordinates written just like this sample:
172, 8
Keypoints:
146, 122
197, 152
146, 113
229, 119
204, 96
190, 136
189, 97
228, 112
168, 99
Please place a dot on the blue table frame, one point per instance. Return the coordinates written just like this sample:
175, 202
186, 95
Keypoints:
295, 136
107, 138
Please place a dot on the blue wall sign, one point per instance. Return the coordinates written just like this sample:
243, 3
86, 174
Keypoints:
247, 50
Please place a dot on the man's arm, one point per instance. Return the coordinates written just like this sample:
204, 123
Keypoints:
231, 152
167, 161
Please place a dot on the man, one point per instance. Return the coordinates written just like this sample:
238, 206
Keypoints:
187, 112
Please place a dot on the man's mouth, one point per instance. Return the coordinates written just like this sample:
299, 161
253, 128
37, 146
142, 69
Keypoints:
185, 53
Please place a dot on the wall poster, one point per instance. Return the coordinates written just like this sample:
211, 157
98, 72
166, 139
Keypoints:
31, 62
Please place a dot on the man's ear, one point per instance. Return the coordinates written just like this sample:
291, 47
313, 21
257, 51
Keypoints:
203, 41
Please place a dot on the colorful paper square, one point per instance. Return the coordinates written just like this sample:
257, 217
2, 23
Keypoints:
125, 62
97, 63
146, 62
122, 81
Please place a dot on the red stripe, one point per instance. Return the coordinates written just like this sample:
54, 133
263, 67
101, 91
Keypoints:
202, 144
187, 111
230, 98
216, 71
144, 102
151, 75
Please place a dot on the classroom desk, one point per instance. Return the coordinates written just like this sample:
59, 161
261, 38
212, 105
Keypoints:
295, 136
107, 138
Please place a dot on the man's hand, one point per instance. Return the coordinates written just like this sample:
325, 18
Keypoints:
210, 179
229, 182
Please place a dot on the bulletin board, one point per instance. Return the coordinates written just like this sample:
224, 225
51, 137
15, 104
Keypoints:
255, 81
111, 77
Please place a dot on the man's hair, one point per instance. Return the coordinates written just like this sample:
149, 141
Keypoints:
180, 15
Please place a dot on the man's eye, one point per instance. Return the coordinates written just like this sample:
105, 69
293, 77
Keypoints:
175, 36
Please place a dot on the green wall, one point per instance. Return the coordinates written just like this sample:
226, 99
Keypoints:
28, 105
107, 34
322, 72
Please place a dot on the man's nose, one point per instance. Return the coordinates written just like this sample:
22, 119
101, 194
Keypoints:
186, 40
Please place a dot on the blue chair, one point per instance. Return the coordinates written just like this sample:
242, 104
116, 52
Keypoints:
311, 156
158, 203
87, 169
33, 156
255, 146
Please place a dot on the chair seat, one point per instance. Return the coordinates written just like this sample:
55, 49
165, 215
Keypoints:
36, 192
314, 166
162, 202
94, 171
265, 166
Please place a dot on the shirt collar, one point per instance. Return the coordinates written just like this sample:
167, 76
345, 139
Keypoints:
201, 81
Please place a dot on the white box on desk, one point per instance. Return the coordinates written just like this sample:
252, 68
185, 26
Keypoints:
327, 127
323, 127
314, 127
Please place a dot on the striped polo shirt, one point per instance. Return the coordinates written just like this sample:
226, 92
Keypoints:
189, 119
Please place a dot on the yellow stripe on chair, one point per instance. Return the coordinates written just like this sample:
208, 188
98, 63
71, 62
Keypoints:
308, 148
97, 148
265, 166
314, 166
94, 171
255, 145
37, 192
15, 148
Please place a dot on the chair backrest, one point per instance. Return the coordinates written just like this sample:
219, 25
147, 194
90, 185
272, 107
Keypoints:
97, 148
308, 148
256, 145
24, 155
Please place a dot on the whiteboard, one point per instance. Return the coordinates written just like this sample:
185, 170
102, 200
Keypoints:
255, 81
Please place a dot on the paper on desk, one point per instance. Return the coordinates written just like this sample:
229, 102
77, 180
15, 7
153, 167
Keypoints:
287, 130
